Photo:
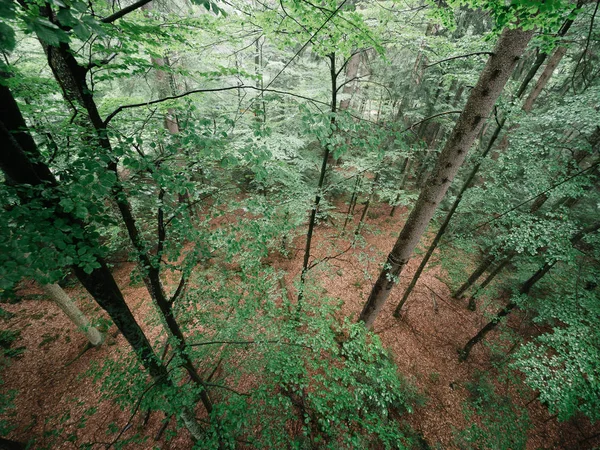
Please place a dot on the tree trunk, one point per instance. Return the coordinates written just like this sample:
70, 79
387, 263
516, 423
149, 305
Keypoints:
9, 444
499, 268
509, 49
317, 201
524, 290
351, 204
485, 264
365, 211
542, 81
64, 302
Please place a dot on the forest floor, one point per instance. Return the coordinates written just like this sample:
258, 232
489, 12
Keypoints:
53, 393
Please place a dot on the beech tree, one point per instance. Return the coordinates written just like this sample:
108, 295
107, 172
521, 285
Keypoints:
508, 50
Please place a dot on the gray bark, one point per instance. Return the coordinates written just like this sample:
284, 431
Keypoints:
508, 50
544, 77
64, 302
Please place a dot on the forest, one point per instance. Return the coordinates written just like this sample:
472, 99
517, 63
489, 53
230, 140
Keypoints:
299, 224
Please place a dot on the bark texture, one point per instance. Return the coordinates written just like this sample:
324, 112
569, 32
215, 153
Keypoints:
64, 302
509, 49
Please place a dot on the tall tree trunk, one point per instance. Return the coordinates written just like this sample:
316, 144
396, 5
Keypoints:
526, 107
317, 201
365, 211
352, 202
499, 268
485, 264
524, 290
64, 302
508, 50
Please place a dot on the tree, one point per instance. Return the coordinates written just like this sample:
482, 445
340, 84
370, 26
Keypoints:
35, 184
508, 50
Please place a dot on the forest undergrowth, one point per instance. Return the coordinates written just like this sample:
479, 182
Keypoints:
423, 343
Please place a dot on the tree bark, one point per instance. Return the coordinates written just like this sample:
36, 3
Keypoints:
508, 50
542, 81
64, 302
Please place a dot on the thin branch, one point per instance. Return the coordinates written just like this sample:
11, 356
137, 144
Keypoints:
327, 258
242, 394
457, 57
198, 344
431, 117
179, 290
587, 44
350, 81
135, 410
199, 91
124, 11
337, 74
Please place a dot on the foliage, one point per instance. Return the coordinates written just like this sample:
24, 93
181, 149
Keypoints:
496, 422
563, 364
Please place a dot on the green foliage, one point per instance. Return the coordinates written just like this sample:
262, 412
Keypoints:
563, 364
496, 423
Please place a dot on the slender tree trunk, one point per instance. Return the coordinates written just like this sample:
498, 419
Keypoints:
64, 302
509, 49
524, 290
542, 81
365, 211
352, 203
485, 264
317, 202
499, 268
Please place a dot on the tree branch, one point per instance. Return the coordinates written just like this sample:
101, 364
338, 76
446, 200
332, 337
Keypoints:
179, 290
198, 344
124, 11
199, 91
457, 57
431, 117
